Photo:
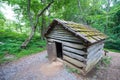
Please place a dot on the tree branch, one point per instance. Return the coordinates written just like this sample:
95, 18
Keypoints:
29, 13
39, 14
24, 44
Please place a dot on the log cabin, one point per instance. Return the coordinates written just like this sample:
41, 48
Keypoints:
78, 46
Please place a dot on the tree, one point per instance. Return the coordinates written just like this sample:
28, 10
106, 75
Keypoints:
34, 26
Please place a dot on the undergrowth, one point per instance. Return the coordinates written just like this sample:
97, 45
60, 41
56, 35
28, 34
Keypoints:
10, 43
104, 62
72, 70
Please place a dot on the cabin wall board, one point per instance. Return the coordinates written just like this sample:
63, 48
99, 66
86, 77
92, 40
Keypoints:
63, 34
77, 51
74, 56
74, 67
94, 60
73, 61
93, 51
67, 43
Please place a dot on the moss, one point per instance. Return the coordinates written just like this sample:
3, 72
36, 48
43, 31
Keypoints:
86, 31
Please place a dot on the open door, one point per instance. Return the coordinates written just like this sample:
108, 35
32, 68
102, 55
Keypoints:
59, 50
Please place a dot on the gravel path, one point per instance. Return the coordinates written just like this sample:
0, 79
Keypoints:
33, 68
28, 68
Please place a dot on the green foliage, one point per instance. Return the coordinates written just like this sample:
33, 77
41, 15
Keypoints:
99, 14
72, 70
106, 60
10, 44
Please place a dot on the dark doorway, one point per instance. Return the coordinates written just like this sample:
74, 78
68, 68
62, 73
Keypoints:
59, 50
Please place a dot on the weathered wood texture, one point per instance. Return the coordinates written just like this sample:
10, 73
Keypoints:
93, 51
76, 53
61, 34
74, 67
51, 50
92, 47
67, 43
94, 56
73, 61
74, 56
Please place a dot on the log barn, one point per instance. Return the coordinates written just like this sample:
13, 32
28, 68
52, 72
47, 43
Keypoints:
78, 45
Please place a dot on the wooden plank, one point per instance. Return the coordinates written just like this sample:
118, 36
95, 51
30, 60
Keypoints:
94, 51
100, 52
63, 36
92, 62
66, 36
74, 67
73, 61
74, 56
78, 46
74, 50
90, 39
61, 32
92, 47
51, 50
96, 34
96, 38
65, 39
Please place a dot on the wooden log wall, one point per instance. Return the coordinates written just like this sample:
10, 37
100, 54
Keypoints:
74, 52
60, 33
95, 53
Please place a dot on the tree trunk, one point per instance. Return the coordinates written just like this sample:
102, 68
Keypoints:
107, 16
43, 26
24, 44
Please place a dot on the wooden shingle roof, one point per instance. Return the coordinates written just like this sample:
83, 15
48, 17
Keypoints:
83, 31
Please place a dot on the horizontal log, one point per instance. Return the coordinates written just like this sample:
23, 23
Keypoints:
64, 36
74, 56
94, 51
97, 55
74, 67
92, 62
90, 48
77, 46
73, 61
74, 50
62, 31
65, 39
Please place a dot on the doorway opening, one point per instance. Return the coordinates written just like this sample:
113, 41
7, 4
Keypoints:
59, 50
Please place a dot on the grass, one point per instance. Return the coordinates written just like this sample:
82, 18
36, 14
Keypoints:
71, 70
104, 62
10, 44
112, 50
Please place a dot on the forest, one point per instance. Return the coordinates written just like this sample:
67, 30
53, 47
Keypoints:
25, 34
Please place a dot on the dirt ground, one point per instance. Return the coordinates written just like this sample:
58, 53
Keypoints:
37, 67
